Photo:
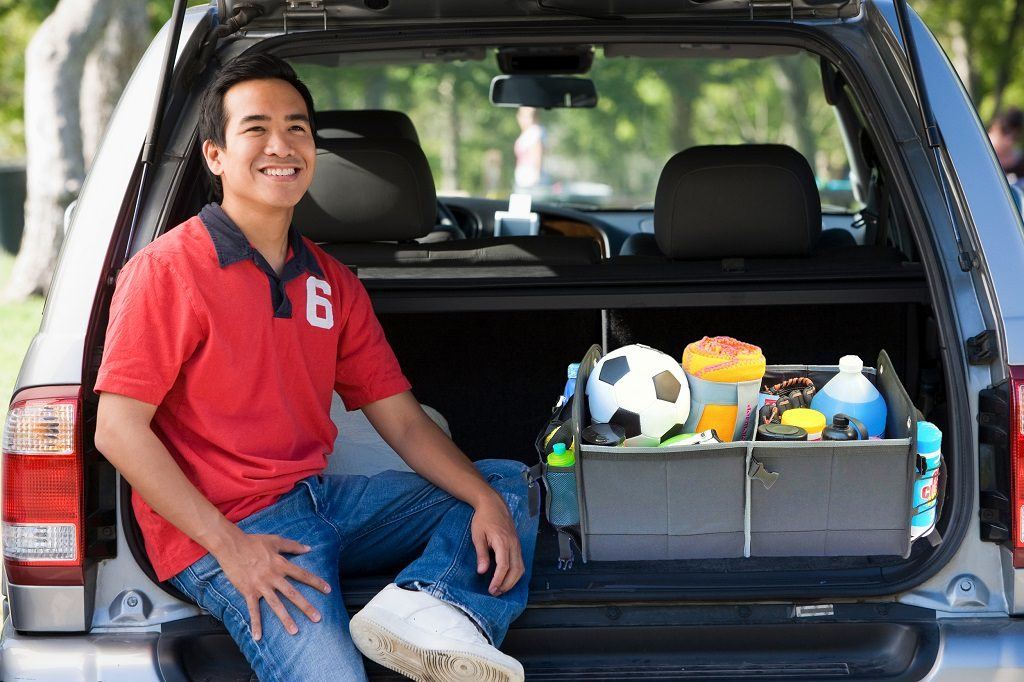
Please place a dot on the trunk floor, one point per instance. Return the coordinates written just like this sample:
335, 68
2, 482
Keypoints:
548, 581
546, 563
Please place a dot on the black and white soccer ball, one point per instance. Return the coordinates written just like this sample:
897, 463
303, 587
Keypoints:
642, 390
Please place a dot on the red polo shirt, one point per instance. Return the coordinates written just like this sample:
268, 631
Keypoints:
241, 364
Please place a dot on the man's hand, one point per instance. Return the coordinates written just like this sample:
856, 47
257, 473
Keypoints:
254, 565
493, 530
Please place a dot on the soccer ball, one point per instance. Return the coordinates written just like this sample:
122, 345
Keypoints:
642, 390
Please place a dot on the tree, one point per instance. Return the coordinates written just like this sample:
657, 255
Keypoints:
793, 81
58, 97
108, 69
984, 42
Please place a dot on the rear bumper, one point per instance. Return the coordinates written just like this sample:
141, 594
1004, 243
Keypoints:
979, 649
971, 650
111, 657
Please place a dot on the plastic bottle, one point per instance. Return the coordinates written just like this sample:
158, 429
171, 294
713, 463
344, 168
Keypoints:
926, 485
570, 382
563, 505
839, 429
850, 392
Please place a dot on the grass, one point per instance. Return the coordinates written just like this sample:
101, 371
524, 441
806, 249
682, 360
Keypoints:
18, 324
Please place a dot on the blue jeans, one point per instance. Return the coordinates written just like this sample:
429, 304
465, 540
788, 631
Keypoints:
358, 525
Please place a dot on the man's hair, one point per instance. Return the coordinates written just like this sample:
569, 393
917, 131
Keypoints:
1010, 121
213, 118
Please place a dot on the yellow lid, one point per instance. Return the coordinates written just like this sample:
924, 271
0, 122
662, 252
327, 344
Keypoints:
807, 419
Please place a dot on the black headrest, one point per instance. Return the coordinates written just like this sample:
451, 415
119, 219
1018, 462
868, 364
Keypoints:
365, 123
367, 190
743, 201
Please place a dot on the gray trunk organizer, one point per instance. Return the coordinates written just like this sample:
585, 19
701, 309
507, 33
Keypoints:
748, 498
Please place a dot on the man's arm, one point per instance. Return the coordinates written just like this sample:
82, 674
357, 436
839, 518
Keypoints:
253, 563
404, 425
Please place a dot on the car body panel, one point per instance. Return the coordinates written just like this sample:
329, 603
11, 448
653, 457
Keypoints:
977, 563
111, 657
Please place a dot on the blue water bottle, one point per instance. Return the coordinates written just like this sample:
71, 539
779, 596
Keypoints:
926, 483
570, 382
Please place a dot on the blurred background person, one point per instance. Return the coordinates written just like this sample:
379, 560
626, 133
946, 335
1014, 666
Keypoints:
1005, 133
529, 150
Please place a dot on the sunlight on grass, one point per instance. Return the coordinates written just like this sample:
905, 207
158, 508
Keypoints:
18, 323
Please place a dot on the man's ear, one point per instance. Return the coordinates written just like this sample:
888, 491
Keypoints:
211, 152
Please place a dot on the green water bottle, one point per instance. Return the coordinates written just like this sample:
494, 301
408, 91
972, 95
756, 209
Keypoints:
563, 505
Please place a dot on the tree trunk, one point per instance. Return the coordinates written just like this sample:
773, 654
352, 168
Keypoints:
54, 63
961, 57
108, 68
375, 91
1009, 56
975, 36
792, 83
450, 151
683, 99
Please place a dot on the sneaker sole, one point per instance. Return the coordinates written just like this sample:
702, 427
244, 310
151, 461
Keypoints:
379, 642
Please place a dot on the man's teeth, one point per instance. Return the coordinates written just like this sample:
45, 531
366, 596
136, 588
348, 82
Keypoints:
278, 171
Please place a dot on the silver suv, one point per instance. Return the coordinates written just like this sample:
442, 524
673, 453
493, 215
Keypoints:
911, 243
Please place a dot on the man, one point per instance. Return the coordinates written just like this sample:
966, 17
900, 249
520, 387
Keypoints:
529, 151
226, 338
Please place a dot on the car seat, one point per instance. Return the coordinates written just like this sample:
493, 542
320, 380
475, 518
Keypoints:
383, 123
372, 199
746, 201
752, 205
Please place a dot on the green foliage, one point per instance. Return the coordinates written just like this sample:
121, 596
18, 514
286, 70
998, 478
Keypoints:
34, 10
160, 11
19, 322
18, 21
982, 28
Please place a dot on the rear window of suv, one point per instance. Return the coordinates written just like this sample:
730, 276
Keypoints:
649, 107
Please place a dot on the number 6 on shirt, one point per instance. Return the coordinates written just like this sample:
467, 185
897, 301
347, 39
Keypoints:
318, 308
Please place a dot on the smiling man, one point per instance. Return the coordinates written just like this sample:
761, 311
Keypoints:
227, 336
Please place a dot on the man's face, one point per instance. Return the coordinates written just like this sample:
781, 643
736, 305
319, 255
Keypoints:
269, 154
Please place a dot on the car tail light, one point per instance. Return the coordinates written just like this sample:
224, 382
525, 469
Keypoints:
1017, 462
43, 499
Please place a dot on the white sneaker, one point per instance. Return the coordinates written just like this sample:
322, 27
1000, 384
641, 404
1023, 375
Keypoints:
429, 640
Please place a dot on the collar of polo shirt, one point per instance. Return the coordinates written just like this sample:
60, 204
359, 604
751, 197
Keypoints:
232, 246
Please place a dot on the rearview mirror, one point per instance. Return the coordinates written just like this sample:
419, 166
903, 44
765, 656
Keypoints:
543, 92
